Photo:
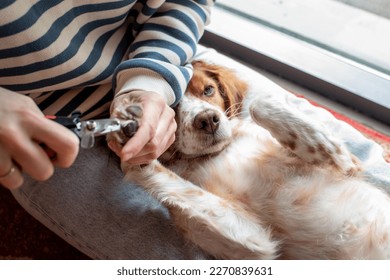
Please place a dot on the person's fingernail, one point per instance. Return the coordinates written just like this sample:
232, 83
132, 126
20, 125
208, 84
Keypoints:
127, 156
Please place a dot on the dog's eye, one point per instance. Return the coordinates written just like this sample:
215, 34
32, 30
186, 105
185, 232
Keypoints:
208, 91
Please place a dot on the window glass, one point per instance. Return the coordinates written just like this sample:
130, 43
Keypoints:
357, 30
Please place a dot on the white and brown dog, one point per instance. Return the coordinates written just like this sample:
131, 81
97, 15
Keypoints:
273, 184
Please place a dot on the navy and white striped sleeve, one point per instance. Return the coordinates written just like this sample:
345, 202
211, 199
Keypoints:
163, 45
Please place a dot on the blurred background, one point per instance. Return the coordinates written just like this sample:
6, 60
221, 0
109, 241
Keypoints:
379, 7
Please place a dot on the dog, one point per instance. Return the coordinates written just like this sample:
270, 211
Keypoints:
248, 177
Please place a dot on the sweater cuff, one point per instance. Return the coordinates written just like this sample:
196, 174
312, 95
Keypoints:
144, 79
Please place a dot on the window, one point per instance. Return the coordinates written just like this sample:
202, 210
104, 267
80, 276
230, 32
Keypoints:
335, 49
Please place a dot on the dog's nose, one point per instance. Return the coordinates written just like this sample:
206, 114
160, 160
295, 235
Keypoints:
208, 121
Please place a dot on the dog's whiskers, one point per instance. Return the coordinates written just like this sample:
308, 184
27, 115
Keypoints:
172, 155
236, 114
234, 110
231, 107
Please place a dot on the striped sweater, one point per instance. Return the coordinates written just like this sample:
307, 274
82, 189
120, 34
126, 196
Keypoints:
75, 55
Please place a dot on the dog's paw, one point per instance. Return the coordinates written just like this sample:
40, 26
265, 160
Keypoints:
316, 146
129, 112
137, 173
308, 140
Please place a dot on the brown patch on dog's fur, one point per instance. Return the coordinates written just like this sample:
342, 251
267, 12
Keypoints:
229, 91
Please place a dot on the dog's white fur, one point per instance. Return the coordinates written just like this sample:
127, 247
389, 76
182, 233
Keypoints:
273, 184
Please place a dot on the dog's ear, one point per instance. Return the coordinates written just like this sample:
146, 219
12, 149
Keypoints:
232, 89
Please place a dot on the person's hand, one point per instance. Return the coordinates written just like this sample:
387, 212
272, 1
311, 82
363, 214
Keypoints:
156, 130
25, 136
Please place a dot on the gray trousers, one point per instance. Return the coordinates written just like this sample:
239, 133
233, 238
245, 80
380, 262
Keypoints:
90, 206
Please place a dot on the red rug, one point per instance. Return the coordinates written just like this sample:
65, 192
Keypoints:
381, 139
22, 237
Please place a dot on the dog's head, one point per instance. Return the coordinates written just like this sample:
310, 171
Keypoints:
213, 97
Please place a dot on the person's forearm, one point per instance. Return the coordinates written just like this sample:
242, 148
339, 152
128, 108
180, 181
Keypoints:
160, 52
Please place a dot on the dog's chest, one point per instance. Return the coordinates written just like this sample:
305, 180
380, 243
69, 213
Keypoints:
236, 171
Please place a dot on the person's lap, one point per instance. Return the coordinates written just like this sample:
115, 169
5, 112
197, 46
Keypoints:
94, 209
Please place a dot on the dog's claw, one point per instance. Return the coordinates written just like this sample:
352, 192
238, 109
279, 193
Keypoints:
130, 128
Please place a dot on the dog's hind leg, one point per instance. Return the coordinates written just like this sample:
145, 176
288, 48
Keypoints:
223, 229
302, 135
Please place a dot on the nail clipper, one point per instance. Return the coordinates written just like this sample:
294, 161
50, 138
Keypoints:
88, 130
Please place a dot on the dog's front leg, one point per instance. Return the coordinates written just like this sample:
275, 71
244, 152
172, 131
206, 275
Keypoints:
221, 228
301, 134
